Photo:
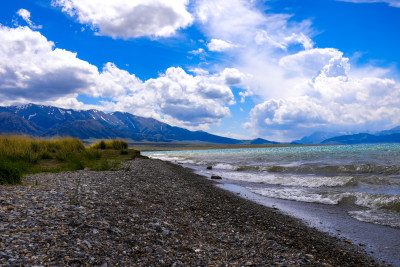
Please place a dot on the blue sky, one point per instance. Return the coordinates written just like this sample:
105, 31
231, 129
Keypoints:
277, 69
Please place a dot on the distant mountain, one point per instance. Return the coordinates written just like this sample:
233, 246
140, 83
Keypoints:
260, 141
363, 138
11, 124
315, 138
85, 129
39, 120
395, 130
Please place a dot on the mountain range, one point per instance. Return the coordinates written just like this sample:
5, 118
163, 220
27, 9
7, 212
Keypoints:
47, 121
386, 136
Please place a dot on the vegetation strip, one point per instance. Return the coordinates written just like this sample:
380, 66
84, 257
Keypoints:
21, 155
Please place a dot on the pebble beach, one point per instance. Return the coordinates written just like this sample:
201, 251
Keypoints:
153, 213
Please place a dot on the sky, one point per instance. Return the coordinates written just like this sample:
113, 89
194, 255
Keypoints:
275, 69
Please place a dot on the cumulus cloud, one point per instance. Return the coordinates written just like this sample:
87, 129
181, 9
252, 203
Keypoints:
393, 3
26, 16
33, 70
333, 100
130, 19
219, 45
233, 76
299, 88
309, 63
184, 99
113, 82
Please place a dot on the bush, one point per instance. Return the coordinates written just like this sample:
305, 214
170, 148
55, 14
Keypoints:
10, 172
110, 144
102, 144
45, 155
92, 154
136, 153
75, 162
119, 144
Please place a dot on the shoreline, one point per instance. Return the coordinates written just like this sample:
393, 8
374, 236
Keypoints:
181, 146
379, 241
154, 213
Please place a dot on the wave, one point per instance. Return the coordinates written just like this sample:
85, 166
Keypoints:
378, 201
297, 194
381, 202
381, 217
338, 169
224, 166
310, 181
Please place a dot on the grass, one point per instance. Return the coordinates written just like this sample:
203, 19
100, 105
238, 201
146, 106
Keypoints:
110, 144
21, 155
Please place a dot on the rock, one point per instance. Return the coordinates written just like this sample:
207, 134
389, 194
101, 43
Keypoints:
166, 232
160, 251
216, 177
309, 256
209, 167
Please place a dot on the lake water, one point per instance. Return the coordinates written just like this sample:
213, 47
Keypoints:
365, 179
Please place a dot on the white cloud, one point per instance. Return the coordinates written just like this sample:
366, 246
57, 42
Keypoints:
308, 63
243, 24
130, 19
260, 38
182, 99
26, 16
233, 76
333, 100
299, 88
197, 52
393, 3
33, 70
199, 71
114, 82
217, 45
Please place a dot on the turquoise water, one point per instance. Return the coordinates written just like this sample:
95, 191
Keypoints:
364, 177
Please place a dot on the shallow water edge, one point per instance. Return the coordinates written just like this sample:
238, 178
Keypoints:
380, 242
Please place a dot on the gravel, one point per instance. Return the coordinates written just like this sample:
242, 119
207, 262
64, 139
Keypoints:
153, 213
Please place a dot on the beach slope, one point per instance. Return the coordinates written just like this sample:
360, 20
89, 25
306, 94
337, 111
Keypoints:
153, 213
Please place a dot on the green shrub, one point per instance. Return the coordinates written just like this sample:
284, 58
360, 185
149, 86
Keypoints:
11, 172
136, 153
45, 155
92, 154
119, 144
103, 144
110, 144
75, 162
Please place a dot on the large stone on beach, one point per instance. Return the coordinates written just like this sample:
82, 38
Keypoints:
216, 177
